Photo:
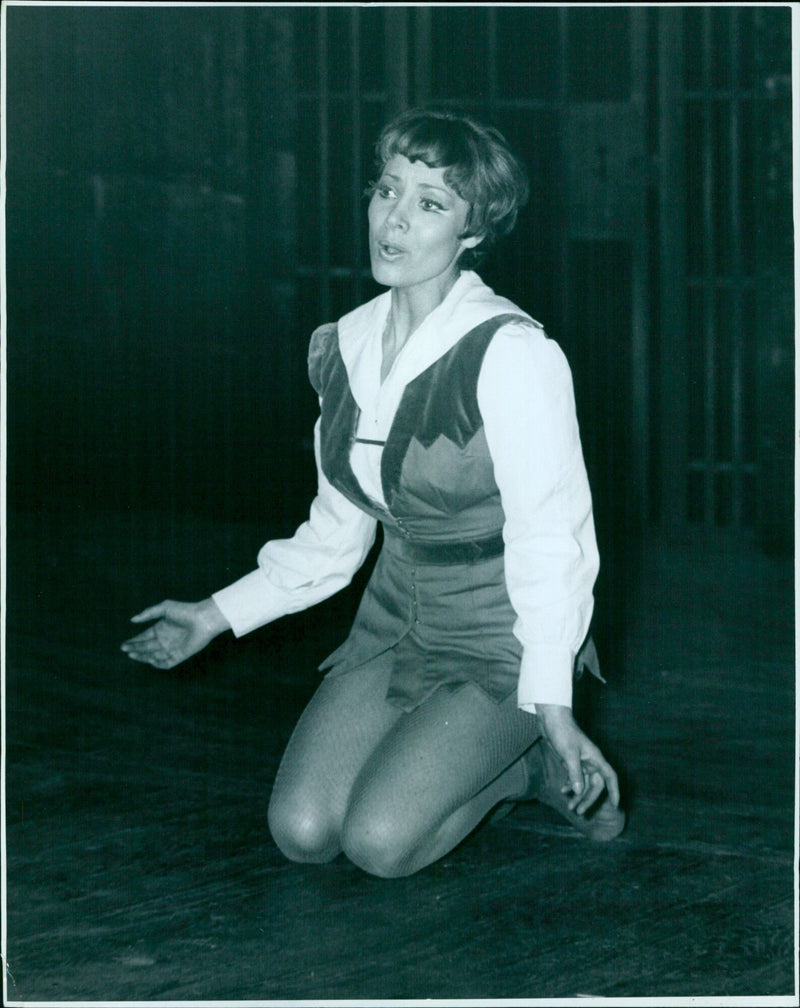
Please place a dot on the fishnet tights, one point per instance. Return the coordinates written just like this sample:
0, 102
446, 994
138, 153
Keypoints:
395, 791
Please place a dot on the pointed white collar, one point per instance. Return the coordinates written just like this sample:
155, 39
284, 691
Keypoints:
468, 303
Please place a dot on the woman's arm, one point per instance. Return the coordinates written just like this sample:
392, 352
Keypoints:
526, 399
527, 403
292, 574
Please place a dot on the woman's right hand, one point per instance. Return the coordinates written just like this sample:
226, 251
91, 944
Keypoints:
182, 629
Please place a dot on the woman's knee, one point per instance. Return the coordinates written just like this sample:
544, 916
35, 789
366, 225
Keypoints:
302, 832
376, 843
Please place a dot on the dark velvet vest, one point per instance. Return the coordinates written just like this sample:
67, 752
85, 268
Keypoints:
435, 625
436, 470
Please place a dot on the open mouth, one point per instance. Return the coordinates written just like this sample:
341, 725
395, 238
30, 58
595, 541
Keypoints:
389, 251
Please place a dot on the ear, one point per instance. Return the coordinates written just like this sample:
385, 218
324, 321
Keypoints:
471, 241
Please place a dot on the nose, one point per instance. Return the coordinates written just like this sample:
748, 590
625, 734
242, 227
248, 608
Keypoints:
397, 216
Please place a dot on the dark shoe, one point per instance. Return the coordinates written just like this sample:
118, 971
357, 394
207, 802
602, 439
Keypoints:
546, 776
499, 812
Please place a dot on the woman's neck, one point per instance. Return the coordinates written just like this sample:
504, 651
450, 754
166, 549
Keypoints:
409, 309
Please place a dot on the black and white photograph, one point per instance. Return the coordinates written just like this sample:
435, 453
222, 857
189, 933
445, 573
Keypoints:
398, 504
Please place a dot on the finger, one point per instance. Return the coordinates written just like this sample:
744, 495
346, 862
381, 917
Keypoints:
602, 778
582, 798
142, 638
146, 659
574, 770
595, 762
600, 765
151, 653
146, 651
152, 612
147, 646
595, 787
612, 783
159, 663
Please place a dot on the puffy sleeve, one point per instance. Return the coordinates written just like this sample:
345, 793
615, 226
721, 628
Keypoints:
320, 558
526, 399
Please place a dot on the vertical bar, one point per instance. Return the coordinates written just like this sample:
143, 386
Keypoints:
672, 273
709, 326
396, 29
271, 218
737, 319
491, 31
324, 168
357, 183
640, 273
562, 113
423, 49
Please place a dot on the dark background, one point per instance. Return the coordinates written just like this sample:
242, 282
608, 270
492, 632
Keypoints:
184, 206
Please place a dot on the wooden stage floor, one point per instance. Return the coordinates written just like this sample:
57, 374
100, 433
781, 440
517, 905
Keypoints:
139, 866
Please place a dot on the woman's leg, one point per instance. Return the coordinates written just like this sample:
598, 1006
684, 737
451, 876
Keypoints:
341, 726
433, 778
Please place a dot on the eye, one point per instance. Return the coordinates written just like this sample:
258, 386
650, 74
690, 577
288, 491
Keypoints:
384, 190
430, 205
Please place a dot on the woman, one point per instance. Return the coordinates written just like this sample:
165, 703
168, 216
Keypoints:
446, 415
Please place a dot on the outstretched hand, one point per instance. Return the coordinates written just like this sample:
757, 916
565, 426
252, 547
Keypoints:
589, 772
182, 629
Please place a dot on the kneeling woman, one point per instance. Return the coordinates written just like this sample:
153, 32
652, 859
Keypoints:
447, 415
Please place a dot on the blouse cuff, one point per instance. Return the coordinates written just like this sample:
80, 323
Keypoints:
247, 605
545, 676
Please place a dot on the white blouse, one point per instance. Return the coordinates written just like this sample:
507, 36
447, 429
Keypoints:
526, 400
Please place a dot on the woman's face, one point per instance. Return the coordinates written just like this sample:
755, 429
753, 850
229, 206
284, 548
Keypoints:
415, 220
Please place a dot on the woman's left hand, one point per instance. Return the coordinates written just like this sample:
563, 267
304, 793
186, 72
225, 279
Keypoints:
589, 771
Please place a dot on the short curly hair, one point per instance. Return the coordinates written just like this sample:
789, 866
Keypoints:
479, 166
